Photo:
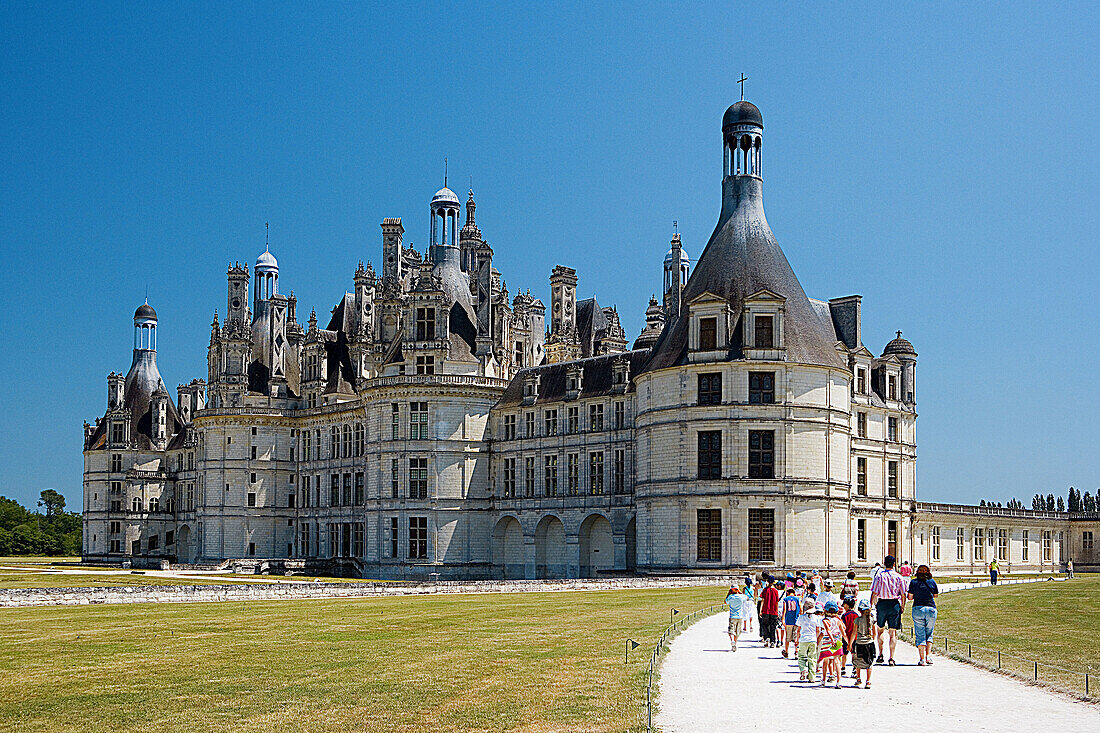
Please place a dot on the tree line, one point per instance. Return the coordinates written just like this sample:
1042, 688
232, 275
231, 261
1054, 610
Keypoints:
1074, 502
23, 532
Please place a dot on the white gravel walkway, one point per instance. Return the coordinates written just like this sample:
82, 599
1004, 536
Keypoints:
706, 687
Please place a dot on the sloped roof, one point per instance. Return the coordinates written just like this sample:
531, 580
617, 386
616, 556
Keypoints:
596, 377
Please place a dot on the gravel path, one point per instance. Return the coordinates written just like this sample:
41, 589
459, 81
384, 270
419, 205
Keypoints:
706, 687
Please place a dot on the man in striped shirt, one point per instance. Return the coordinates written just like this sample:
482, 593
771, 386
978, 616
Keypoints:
888, 599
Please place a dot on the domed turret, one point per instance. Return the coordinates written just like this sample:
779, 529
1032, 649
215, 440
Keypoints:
445, 196
742, 126
267, 278
145, 328
742, 113
900, 347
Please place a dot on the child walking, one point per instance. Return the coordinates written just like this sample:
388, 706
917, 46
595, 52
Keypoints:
830, 639
848, 619
863, 644
808, 624
736, 603
791, 605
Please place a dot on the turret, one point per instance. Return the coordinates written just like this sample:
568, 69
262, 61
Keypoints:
676, 268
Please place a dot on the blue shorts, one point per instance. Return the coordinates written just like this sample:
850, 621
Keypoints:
888, 614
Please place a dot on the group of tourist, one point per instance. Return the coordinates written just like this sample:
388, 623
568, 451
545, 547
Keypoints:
826, 628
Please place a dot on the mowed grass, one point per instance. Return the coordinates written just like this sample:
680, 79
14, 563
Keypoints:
1054, 623
528, 662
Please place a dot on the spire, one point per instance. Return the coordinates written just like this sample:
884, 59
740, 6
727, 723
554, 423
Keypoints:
469, 229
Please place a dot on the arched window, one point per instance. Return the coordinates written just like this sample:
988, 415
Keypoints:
154, 504
360, 439
135, 504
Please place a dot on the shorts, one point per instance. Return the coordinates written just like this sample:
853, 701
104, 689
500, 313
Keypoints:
734, 627
888, 614
792, 633
863, 655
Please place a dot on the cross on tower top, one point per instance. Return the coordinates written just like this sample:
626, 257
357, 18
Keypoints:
742, 81
899, 334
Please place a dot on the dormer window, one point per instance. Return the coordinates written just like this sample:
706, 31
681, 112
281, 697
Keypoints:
572, 382
861, 381
425, 324
892, 389
763, 332
762, 325
708, 334
530, 388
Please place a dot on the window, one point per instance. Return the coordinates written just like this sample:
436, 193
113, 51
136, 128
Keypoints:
116, 463
115, 527
347, 495
1024, 553
761, 454
307, 446
529, 476
1046, 545
861, 424
418, 538
979, 543
710, 454
334, 490
508, 427
418, 421
574, 419
620, 415
550, 476
1086, 540
861, 476
892, 538
357, 540
892, 428
360, 439
761, 388
425, 365
529, 424
116, 546
861, 539
708, 334
1002, 544
573, 467
618, 471
253, 453
761, 535
595, 417
892, 390
595, 472
508, 481
118, 432
935, 543
136, 505
710, 389
892, 479
517, 355
764, 338
154, 542
334, 442
395, 479
709, 534
347, 441
252, 478
360, 492
395, 421
290, 501
861, 381
252, 498
251, 549
425, 325
303, 540
960, 544
550, 422
393, 537
418, 478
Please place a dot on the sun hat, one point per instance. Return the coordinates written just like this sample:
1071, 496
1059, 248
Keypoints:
831, 607
828, 582
790, 576
864, 605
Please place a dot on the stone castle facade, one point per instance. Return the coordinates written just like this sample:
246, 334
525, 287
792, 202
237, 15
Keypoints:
438, 427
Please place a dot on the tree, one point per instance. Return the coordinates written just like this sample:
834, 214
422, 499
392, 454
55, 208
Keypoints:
981, 503
1073, 501
1050, 502
53, 501
1061, 504
1088, 504
1036, 502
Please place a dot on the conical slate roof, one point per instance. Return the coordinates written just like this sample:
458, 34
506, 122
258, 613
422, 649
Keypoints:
742, 258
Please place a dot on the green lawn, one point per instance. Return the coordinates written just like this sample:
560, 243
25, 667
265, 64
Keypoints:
519, 662
1054, 623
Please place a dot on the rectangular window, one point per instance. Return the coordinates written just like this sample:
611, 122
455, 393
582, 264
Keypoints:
395, 479
550, 476
595, 472
761, 388
861, 381
861, 539
252, 478
290, 501
960, 544
508, 427
710, 389
251, 498
357, 540
761, 535
710, 454
573, 468
979, 544
892, 479
764, 336
334, 490
418, 421
892, 538
935, 543
395, 420
1002, 544
118, 432
418, 478
708, 534
861, 476
861, 424
116, 463
892, 429
595, 417
360, 489
529, 424
425, 365
550, 422
892, 390
1087, 542
251, 549
253, 453
418, 538
618, 475
508, 481
620, 415
1046, 545
529, 476
307, 446
347, 496
574, 419
334, 435
425, 324
303, 540
1024, 552
708, 334
761, 454
394, 534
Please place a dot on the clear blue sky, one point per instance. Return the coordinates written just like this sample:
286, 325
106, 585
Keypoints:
941, 162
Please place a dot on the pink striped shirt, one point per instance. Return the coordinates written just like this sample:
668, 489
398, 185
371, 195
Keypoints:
889, 586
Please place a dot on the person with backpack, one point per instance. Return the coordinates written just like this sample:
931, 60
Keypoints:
850, 587
769, 615
792, 604
736, 602
922, 592
862, 643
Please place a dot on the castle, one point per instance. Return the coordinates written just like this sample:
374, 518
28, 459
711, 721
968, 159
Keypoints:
437, 427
